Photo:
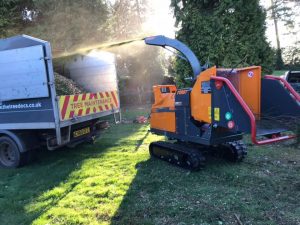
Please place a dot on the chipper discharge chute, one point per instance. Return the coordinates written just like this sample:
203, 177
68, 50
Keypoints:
221, 106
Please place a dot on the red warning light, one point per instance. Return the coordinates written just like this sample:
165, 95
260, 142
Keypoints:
219, 84
230, 124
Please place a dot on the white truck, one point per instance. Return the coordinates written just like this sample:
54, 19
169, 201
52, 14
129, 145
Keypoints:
293, 77
31, 113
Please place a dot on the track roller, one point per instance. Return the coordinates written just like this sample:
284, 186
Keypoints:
179, 155
234, 151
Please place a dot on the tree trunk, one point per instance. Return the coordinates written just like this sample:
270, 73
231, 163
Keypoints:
276, 24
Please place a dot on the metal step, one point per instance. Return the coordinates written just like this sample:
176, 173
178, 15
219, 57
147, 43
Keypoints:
265, 132
269, 127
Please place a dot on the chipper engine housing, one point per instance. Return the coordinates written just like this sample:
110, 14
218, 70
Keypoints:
220, 107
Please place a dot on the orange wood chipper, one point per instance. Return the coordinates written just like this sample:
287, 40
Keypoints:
221, 106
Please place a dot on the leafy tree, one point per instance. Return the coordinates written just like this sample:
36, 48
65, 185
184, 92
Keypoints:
127, 17
280, 11
227, 33
292, 56
284, 11
139, 66
67, 23
12, 16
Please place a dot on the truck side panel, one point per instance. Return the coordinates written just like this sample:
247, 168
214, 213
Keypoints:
26, 111
23, 74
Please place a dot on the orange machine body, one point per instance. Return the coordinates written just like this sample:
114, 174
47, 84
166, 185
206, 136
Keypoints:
200, 101
247, 82
163, 109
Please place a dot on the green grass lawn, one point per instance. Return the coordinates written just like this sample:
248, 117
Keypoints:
116, 182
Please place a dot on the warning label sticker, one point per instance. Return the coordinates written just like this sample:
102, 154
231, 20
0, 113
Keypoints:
217, 114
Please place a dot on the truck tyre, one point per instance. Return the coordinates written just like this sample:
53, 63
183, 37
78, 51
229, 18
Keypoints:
10, 155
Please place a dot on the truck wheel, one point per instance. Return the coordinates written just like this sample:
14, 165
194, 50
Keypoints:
10, 155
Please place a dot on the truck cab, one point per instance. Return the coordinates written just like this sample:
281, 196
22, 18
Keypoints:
293, 77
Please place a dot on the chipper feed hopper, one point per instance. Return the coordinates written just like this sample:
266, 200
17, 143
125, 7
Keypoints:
221, 106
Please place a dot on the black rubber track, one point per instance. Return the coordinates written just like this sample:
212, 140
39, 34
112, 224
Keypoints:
235, 151
179, 155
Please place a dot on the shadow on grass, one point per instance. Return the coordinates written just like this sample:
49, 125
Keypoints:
29, 192
252, 192
114, 182
141, 141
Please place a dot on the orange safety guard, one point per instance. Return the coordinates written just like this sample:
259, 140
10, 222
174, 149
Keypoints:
247, 82
250, 87
163, 120
200, 102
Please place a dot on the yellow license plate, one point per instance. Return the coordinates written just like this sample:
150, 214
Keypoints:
81, 132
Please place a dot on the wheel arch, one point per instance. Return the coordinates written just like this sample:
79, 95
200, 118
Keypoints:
16, 138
